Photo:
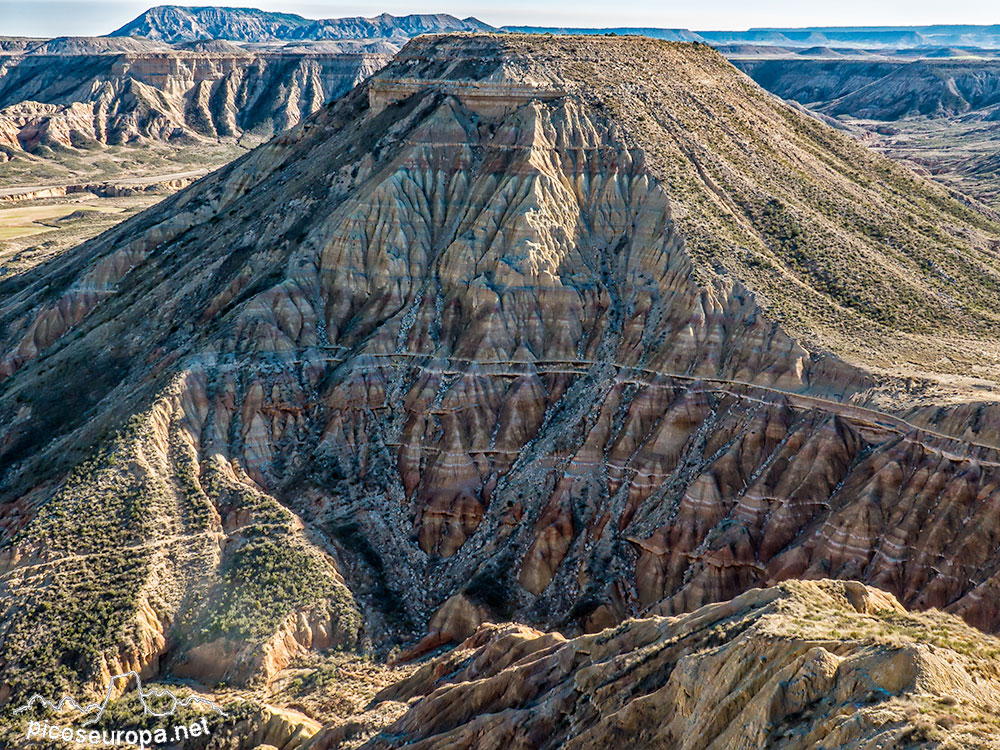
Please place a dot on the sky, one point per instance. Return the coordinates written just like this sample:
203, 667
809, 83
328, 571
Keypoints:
49, 18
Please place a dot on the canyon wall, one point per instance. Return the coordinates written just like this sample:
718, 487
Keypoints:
79, 101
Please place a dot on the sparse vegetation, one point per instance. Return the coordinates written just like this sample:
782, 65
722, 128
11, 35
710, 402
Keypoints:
838, 244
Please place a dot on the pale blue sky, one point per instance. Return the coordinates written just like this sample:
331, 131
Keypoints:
65, 17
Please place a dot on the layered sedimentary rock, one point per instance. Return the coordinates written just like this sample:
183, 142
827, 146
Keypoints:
883, 90
559, 330
816, 81
63, 100
805, 665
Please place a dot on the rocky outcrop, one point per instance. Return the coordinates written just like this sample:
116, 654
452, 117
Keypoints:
268, 728
228, 660
638, 342
803, 665
76, 101
178, 567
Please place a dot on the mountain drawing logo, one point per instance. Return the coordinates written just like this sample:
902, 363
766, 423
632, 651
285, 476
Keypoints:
98, 709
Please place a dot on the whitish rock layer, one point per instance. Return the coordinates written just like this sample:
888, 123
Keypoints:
56, 99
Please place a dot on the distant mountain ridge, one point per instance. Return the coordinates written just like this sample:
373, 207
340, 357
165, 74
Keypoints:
174, 23
865, 37
888, 36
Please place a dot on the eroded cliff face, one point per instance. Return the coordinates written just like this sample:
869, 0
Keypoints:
79, 101
475, 342
882, 89
804, 665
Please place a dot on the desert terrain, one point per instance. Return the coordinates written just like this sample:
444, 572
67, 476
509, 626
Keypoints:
473, 388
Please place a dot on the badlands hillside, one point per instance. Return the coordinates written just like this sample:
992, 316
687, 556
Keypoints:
97, 128
563, 331
81, 94
803, 665
883, 89
176, 86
